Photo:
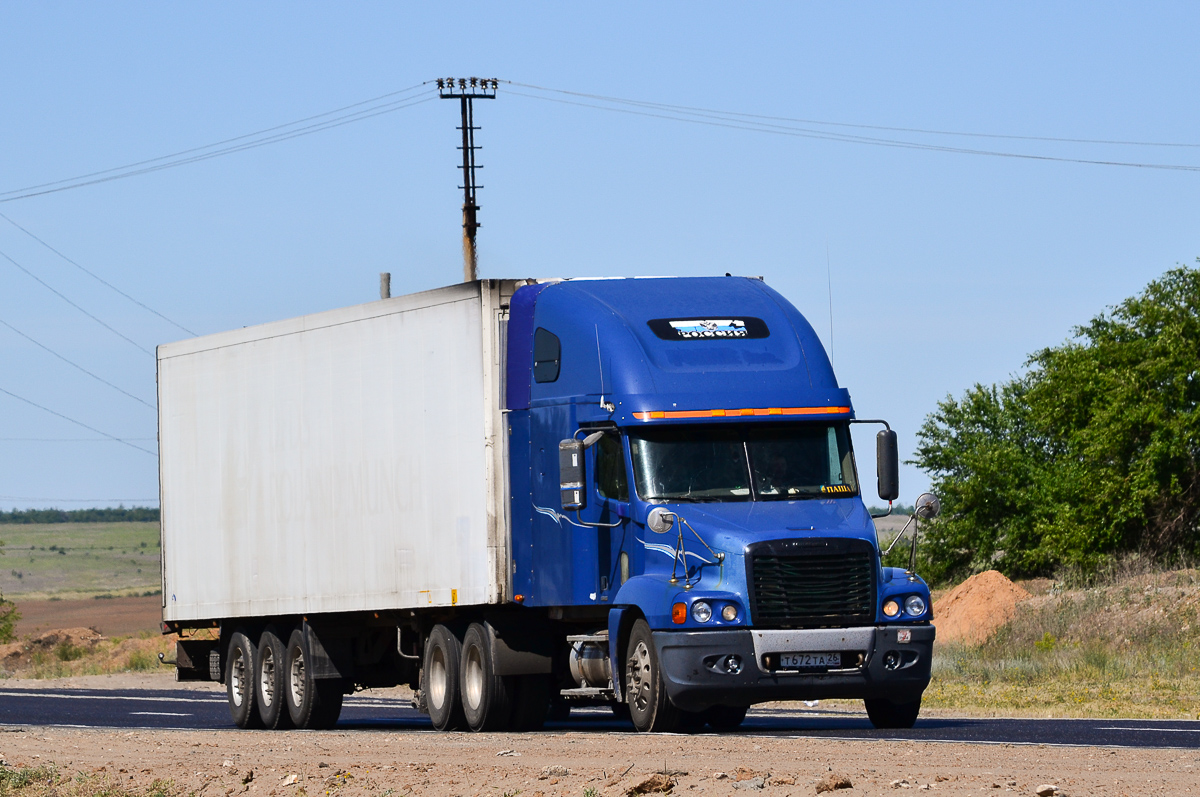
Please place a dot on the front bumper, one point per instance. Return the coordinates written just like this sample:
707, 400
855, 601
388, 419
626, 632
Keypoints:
693, 665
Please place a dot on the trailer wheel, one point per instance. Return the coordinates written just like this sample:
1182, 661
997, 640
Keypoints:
271, 681
312, 703
439, 678
239, 681
531, 702
725, 718
485, 695
885, 714
649, 707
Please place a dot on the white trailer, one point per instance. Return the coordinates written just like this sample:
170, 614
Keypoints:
349, 461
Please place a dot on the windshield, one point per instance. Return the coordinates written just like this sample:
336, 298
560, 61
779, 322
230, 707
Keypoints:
743, 462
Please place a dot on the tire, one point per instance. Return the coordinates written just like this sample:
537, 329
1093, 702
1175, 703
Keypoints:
530, 702
270, 682
560, 710
439, 679
486, 698
239, 681
649, 707
312, 703
690, 722
725, 718
886, 714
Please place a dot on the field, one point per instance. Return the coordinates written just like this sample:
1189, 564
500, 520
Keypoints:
62, 560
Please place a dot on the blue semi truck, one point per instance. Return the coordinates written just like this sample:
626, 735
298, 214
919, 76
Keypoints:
520, 496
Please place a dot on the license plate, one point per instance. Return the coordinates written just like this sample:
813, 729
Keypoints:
810, 661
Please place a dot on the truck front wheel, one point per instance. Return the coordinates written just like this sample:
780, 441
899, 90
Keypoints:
886, 714
239, 681
440, 677
649, 707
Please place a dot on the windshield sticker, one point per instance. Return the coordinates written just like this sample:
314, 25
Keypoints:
708, 328
844, 489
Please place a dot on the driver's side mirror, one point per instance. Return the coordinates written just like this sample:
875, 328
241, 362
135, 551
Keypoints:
887, 465
572, 474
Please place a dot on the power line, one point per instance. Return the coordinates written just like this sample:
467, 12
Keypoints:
77, 307
925, 131
825, 135
76, 365
96, 276
173, 161
77, 423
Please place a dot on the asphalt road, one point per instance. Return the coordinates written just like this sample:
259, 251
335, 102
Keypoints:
208, 711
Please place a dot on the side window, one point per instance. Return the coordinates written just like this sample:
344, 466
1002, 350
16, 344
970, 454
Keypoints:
547, 356
610, 469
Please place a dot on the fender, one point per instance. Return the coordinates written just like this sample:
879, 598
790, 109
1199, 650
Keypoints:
652, 594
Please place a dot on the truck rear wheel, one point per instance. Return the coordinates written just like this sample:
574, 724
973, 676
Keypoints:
485, 695
440, 678
886, 714
312, 703
239, 681
271, 680
649, 707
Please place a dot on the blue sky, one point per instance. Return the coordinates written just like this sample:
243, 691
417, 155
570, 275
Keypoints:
946, 269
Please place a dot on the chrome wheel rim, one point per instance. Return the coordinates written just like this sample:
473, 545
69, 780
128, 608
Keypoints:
640, 672
473, 678
237, 677
266, 679
437, 678
296, 678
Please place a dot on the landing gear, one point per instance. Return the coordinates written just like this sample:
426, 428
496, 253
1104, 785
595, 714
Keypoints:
886, 714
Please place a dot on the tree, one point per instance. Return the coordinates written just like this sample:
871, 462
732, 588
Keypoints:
8, 614
1094, 451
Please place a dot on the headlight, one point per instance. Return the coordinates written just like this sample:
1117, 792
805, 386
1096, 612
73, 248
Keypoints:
729, 613
701, 612
891, 609
914, 605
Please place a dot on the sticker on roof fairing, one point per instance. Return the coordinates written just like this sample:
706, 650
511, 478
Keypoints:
708, 328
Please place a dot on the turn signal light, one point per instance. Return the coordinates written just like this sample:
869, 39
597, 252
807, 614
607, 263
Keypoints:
891, 609
679, 613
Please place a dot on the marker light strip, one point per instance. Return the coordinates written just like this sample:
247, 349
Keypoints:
655, 415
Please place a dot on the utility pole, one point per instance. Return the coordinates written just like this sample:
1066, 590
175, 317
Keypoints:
465, 90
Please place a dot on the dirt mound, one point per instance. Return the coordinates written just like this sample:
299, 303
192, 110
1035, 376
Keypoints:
63, 643
977, 608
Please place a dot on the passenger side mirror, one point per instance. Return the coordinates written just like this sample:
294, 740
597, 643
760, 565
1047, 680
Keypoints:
927, 507
572, 474
887, 464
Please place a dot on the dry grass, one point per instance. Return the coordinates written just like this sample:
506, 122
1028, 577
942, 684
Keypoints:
47, 781
1125, 648
71, 657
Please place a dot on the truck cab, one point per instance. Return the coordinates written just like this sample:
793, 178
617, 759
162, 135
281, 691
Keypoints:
684, 501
